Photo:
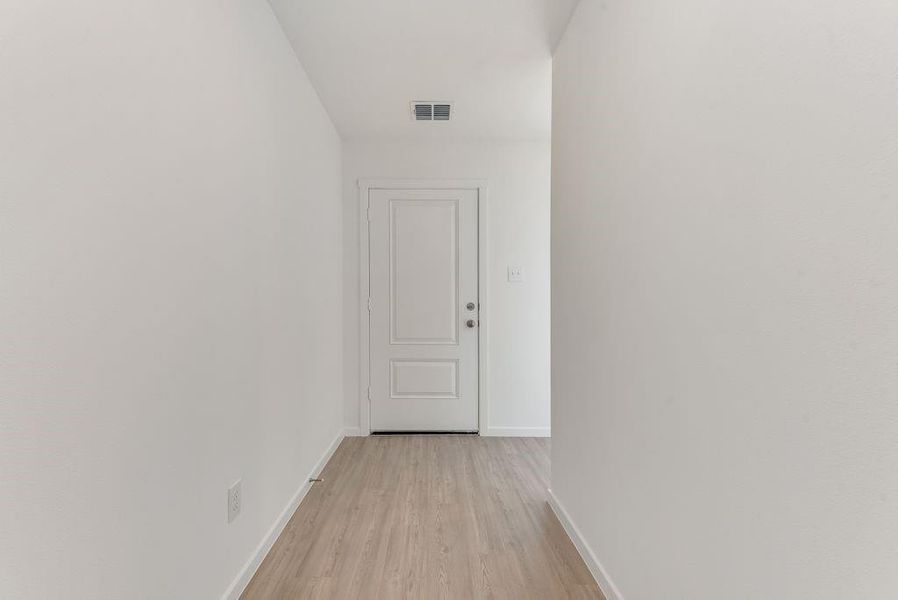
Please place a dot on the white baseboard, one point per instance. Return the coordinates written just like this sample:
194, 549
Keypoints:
592, 563
352, 431
249, 569
516, 432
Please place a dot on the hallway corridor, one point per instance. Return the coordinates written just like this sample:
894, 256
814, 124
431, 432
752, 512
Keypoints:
433, 516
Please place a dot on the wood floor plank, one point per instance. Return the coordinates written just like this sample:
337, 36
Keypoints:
427, 517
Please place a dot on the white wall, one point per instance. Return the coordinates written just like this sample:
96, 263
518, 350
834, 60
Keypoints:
518, 175
170, 234
725, 322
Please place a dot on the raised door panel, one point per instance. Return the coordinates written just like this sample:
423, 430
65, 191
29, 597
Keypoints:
424, 272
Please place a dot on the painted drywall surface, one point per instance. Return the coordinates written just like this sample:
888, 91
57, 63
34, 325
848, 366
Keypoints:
171, 279
369, 60
725, 322
518, 176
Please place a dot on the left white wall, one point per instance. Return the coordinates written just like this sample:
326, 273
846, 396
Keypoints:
170, 292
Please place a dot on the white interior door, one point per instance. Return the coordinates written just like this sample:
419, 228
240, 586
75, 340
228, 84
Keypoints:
423, 338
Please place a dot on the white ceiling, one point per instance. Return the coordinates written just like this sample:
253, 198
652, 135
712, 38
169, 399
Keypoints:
491, 58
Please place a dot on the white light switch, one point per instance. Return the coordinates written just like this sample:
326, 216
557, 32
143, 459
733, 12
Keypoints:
515, 274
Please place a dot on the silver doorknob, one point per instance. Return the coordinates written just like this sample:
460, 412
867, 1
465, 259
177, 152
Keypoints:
470, 306
470, 323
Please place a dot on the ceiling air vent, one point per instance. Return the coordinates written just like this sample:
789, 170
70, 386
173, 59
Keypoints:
431, 111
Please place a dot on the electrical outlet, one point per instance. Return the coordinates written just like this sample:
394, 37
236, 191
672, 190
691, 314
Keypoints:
515, 274
235, 499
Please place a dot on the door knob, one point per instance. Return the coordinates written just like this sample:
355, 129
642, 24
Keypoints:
470, 306
470, 323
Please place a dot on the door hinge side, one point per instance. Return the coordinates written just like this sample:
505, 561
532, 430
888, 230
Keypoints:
369, 394
369, 304
368, 214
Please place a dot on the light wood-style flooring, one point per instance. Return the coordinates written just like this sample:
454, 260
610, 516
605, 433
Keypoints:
427, 517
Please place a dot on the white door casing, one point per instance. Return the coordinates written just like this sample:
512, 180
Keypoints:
423, 308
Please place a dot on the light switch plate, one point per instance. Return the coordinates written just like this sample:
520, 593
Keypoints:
515, 274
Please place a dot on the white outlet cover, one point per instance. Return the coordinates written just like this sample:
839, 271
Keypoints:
235, 499
515, 274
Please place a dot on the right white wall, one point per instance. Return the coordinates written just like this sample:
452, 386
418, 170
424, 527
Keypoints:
725, 296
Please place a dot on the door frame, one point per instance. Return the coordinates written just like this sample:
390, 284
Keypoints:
365, 187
